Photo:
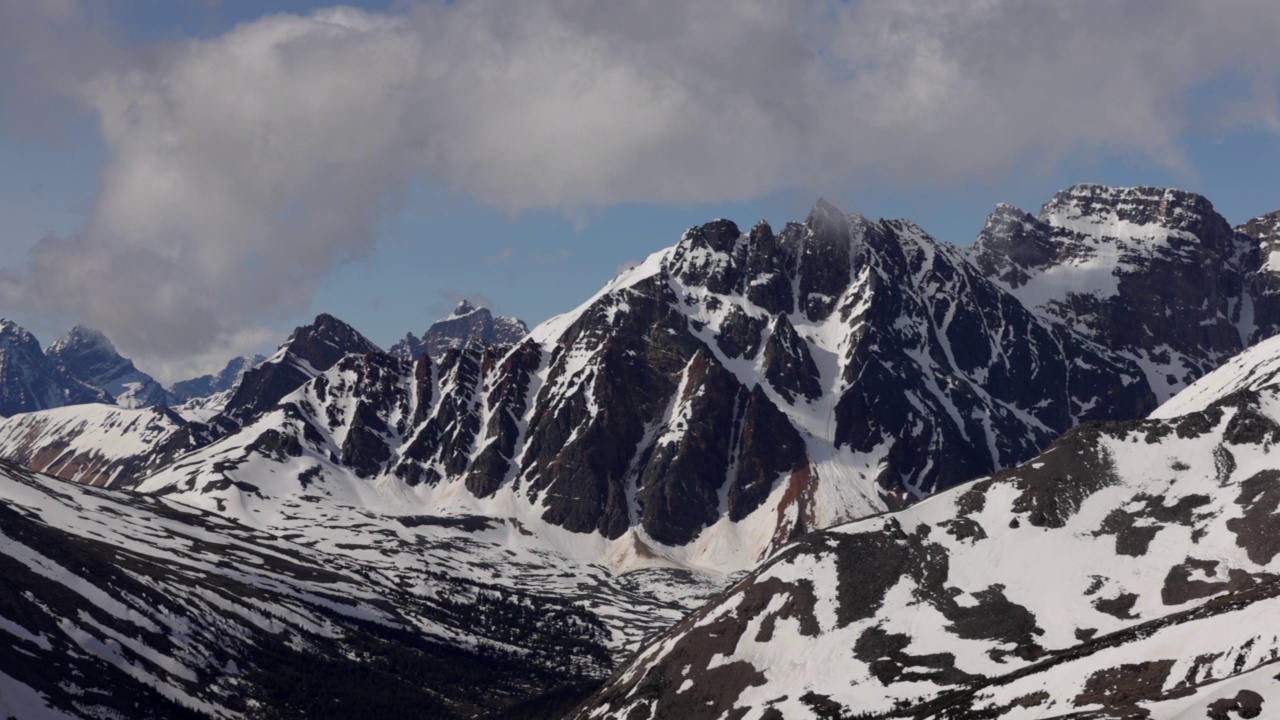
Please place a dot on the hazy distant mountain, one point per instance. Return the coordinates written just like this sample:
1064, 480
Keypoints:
88, 356
29, 380
207, 385
468, 324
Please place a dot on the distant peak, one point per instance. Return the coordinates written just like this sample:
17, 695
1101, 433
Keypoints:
1168, 199
1167, 209
326, 320
825, 217
823, 207
464, 308
81, 335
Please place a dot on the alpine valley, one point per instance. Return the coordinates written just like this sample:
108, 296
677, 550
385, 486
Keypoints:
835, 469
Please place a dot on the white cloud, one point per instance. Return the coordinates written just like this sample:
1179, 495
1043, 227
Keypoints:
245, 166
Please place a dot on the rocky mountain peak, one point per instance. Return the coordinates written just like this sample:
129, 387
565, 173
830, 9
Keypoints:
309, 351
468, 324
1132, 208
1154, 274
89, 356
207, 385
324, 342
82, 339
1265, 228
30, 380
827, 218
11, 333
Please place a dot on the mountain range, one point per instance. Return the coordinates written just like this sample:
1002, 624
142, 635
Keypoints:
84, 367
936, 481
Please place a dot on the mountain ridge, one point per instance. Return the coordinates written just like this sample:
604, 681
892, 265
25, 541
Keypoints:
922, 470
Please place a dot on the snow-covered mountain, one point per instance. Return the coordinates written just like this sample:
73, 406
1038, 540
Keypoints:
1131, 570
88, 356
1156, 276
29, 380
466, 325
708, 405
309, 350
206, 386
741, 390
95, 444
103, 445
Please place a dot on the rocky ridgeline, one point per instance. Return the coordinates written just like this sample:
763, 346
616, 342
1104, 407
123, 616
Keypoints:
757, 385
467, 324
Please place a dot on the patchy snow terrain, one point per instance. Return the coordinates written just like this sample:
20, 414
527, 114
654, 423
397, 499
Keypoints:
119, 604
1129, 571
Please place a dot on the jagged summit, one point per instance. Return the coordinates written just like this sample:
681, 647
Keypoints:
827, 218
89, 356
12, 332
733, 392
30, 380
309, 350
80, 336
1154, 274
1137, 212
1265, 228
466, 325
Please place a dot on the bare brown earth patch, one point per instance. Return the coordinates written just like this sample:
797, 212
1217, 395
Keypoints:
1246, 704
1258, 531
1120, 688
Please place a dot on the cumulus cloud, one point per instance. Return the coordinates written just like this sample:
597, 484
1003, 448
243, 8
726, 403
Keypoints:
244, 167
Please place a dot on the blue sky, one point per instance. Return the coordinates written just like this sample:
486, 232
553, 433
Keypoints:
196, 178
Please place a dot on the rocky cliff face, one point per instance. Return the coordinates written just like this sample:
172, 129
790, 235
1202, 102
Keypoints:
308, 351
1125, 572
1153, 275
31, 381
467, 324
88, 356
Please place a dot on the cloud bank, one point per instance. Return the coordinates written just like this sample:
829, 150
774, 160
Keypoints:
245, 166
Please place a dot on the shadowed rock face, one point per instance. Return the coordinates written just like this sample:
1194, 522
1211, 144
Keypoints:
1152, 274
29, 380
309, 350
742, 375
88, 356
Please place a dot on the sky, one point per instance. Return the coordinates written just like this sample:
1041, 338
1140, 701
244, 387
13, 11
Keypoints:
197, 177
